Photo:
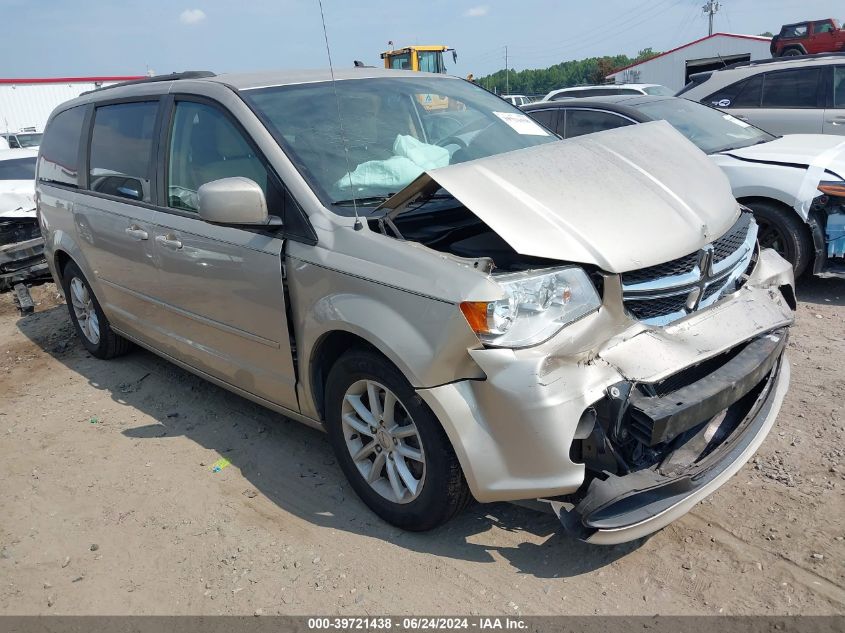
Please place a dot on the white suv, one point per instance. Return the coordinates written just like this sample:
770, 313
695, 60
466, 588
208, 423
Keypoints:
606, 90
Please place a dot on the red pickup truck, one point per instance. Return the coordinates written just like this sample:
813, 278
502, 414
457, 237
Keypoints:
808, 38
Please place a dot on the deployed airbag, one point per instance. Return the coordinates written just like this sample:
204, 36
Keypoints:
411, 158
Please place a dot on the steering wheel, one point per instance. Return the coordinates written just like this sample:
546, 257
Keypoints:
452, 140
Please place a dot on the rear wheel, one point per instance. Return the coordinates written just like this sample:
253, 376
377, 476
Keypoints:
92, 326
781, 229
390, 445
792, 52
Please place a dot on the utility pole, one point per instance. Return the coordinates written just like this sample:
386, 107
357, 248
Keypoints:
507, 73
710, 9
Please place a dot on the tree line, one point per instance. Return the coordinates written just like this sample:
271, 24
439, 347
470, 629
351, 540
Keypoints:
537, 81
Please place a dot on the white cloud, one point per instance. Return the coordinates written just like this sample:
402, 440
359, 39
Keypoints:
477, 12
192, 16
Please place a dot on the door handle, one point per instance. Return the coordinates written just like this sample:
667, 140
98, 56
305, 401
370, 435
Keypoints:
136, 232
169, 241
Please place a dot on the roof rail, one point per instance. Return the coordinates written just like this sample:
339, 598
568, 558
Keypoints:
187, 74
790, 58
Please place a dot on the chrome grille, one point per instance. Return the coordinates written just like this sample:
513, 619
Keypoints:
726, 245
680, 266
660, 294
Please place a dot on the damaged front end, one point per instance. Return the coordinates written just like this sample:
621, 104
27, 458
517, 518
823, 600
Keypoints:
21, 251
658, 448
648, 401
826, 220
21, 244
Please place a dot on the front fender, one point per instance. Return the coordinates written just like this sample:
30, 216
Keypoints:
426, 338
780, 183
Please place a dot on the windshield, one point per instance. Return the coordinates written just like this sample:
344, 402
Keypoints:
713, 131
29, 140
660, 91
394, 129
18, 169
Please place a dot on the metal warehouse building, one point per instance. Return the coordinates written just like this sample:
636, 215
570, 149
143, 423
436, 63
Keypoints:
26, 104
673, 68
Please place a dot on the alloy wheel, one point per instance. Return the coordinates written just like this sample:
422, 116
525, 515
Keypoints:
83, 309
383, 441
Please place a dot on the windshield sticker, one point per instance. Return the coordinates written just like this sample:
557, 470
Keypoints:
735, 121
724, 103
522, 124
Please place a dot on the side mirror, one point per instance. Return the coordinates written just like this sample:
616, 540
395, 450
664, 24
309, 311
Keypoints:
234, 200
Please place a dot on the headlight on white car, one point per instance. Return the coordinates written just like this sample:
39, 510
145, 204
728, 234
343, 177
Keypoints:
536, 306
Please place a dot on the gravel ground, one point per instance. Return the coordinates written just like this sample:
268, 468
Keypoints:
110, 505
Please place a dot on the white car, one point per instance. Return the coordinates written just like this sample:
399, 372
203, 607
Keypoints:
795, 184
517, 100
21, 244
605, 90
22, 140
17, 182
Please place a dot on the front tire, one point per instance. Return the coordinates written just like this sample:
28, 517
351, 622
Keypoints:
390, 445
92, 326
792, 52
781, 229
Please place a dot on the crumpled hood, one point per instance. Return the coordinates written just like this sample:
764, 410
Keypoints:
17, 199
799, 149
621, 199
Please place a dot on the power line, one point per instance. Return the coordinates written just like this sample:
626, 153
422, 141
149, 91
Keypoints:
579, 44
622, 25
711, 8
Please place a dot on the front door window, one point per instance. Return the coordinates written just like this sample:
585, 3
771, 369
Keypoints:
205, 146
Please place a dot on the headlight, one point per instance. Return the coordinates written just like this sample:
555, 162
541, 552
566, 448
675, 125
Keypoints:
835, 189
537, 305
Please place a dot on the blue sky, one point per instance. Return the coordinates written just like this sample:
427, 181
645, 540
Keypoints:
48, 38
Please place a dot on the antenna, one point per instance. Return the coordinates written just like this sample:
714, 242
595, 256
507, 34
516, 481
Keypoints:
357, 226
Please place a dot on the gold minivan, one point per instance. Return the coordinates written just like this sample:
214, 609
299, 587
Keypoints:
468, 305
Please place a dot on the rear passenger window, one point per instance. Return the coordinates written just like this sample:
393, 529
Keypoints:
59, 152
579, 122
750, 94
121, 160
204, 146
791, 88
569, 94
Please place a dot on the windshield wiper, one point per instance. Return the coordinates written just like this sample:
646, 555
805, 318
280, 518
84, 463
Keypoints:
730, 148
366, 201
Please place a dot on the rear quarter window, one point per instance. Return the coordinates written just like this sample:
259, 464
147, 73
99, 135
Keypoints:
795, 30
569, 94
59, 153
741, 94
545, 117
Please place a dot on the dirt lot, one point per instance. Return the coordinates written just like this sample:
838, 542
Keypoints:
110, 506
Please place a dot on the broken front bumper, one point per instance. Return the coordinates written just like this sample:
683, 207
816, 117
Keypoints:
742, 399
21, 252
514, 432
